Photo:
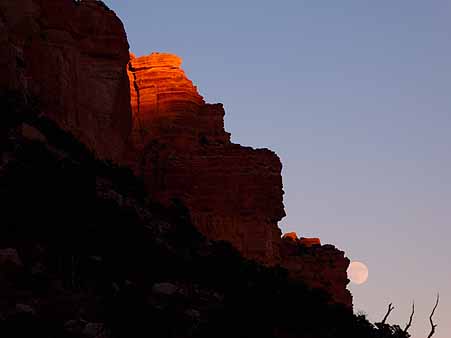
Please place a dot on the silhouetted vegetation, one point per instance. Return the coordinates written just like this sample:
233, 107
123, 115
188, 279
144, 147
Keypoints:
395, 330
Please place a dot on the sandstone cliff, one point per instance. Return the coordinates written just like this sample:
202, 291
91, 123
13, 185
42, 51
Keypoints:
234, 193
71, 57
70, 60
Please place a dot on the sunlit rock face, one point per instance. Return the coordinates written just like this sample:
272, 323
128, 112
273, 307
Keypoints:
318, 266
167, 107
71, 58
234, 193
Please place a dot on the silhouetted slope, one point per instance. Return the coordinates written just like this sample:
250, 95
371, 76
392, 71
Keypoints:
84, 254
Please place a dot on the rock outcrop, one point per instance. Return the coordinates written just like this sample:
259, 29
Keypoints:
318, 266
70, 56
234, 193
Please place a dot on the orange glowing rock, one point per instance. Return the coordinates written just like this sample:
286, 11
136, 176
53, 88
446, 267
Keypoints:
164, 101
308, 242
290, 236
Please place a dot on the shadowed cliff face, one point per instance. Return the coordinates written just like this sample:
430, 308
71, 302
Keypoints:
234, 193
71, 56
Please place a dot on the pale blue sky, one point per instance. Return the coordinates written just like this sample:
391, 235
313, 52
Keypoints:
354, 97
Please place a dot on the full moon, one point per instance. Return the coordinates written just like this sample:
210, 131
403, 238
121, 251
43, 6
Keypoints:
357, 272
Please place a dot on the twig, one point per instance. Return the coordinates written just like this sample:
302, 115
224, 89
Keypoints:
433, 326
409, 324
390, 309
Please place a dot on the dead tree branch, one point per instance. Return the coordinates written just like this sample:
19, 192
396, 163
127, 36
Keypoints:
433, 326
390, 309
409, 324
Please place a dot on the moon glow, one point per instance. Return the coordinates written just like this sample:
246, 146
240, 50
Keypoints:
357, 272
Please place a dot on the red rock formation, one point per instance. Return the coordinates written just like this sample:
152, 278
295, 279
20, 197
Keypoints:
304, 241
308, 242
234, 193
290, 236
72, 57
318, 266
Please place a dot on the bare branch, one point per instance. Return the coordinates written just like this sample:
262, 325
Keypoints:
390, 309
433, 326
409, 324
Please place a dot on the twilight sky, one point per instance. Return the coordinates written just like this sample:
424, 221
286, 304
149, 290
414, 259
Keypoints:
354, 96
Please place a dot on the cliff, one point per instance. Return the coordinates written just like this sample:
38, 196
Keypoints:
69, 61
71, 58
234, 193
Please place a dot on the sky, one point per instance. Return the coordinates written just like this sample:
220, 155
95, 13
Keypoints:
354, 96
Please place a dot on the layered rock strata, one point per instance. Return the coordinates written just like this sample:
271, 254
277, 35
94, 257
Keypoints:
234, 193
71, 57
